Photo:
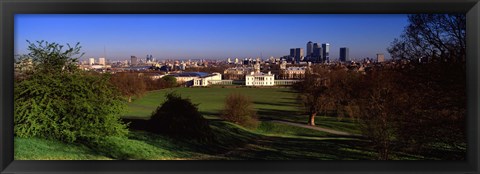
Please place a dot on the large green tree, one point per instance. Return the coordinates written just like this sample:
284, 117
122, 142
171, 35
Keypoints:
58, 101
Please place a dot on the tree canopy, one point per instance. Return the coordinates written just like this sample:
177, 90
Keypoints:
57, 101
432, 37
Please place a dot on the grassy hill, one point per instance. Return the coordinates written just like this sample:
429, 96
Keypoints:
271, 140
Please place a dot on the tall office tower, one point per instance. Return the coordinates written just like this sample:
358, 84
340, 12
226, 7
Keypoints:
309, 49
344, 55
133, 60
91, 61
148, 58
292, 54
317, 52
326, 52
101, 61
380, 58
298, 54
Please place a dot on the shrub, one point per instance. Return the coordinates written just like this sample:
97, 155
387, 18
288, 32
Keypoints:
177, 117
239, 110
67, 107
169, 81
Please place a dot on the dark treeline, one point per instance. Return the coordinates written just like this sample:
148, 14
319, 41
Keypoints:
415, 103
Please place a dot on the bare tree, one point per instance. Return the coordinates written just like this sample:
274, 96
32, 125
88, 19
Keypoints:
432, 36
129, 84
239, 109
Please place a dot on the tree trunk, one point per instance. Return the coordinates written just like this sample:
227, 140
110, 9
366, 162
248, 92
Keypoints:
129, 99
311, 120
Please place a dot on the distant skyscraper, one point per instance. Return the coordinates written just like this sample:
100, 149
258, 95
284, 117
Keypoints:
344, 54
298, 54
91, 61
134, 60
326, 52
380, 58
101, 61
292, 52
149, 58
317, 52
309, 48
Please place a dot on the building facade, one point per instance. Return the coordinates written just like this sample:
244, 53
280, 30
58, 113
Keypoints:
344, 54
101, 61
380, 58
91, 61
326, 52
309, 49
133, 60
317, 53
260, 79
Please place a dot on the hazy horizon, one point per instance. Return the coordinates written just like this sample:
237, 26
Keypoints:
207, 36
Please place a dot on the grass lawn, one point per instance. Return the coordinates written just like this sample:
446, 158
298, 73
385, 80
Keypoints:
269, 141
210, 100
271, 103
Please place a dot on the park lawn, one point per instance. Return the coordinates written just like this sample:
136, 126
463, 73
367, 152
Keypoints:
210, 100
269, 141
270, 103
232, 142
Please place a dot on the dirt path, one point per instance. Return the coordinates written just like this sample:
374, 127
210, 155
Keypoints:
314, 128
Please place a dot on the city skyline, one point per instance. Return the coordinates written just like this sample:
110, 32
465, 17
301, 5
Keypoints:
117, 37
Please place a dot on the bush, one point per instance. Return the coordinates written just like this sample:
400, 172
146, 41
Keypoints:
169, 81
67, 107
177, 117
239, 110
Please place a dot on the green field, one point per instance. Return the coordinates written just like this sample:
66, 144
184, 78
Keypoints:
270, 141
279, 102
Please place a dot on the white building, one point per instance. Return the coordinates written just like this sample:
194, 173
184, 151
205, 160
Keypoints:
380, 58
197, 78
101, 61
207, 80
91, 61
260, 79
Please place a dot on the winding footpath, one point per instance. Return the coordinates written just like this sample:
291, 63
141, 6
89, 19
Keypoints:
335, 132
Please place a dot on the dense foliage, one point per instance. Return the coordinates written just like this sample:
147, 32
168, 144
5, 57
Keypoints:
239, 109
67, 107
58, 102
178, 117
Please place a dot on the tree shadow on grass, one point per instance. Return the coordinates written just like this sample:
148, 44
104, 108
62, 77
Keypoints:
275, 114
280, 148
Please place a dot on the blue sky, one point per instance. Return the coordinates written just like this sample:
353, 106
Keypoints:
193, 36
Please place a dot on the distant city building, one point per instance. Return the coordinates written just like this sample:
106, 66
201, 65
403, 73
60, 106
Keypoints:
149, 58
317, 53
326, 52
91, 61
309, 49
380, 58
133, 60
298, 54
292, 54
293, 73
344, 54
101, 61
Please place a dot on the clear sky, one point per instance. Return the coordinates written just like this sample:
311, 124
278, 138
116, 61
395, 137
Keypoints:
193, 36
